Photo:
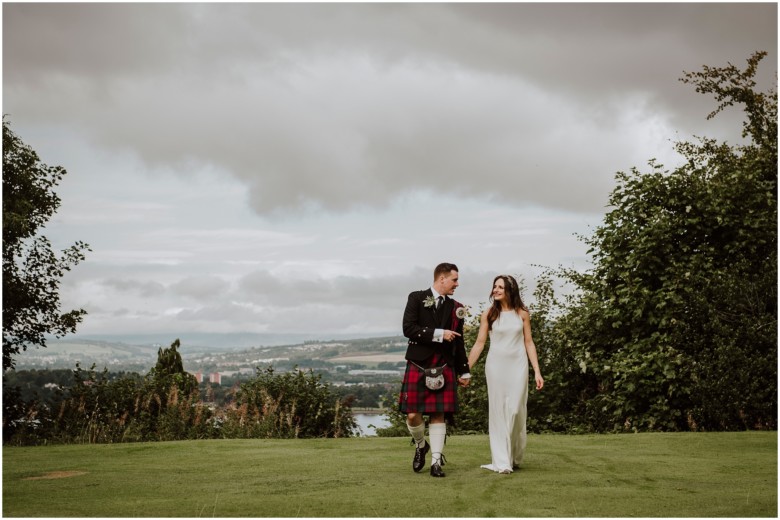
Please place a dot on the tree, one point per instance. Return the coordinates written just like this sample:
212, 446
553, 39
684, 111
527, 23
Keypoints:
675, 326
31, 270
169, 372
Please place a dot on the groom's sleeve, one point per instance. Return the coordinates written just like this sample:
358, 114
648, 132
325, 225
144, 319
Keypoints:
412, 328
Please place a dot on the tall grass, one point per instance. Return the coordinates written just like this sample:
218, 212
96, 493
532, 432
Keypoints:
646, 475
131, 409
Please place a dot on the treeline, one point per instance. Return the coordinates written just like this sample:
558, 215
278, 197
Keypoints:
674, 328
46, 385
93, 407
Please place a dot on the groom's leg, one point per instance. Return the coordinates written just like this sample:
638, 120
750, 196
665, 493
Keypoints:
438, 433
416, 425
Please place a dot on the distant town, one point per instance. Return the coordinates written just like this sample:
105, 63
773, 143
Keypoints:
365, 361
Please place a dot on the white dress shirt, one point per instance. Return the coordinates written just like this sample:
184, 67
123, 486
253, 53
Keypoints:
438, 334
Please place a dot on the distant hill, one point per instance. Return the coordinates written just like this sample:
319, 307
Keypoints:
229, 341
139, 352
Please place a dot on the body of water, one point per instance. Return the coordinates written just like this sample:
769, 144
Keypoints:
367, 423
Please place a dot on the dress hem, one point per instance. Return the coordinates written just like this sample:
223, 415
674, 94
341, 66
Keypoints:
491, 467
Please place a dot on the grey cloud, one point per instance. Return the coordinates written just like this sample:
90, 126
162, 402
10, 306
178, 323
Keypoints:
200, 287
345, 105
260, 282
580, 47
339, 304
91, 40
263, 288
132, 314
374, 292
142, 288
221, 312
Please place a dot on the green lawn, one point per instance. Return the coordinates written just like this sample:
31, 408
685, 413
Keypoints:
645, 475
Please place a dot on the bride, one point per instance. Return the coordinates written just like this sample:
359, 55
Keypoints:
508, 323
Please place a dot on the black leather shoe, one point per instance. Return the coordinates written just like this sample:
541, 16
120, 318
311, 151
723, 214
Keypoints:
419, 457
436, 470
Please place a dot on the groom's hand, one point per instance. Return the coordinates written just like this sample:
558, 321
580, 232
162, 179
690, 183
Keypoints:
464, 382
449, 335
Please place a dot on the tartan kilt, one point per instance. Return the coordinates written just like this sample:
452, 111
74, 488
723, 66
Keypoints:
416, 398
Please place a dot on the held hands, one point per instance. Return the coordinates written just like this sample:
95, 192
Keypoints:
463, 382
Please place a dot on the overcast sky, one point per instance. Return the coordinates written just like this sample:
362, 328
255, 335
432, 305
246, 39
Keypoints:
303, 167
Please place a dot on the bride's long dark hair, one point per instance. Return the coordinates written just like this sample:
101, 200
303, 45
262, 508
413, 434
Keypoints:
512, 294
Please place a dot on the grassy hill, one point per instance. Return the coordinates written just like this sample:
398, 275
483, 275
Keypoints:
645, 475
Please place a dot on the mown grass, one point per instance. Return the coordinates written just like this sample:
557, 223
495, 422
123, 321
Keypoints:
644, 475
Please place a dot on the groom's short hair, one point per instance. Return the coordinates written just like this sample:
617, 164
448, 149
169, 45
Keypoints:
443, 269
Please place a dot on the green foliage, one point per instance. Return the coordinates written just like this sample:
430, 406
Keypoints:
168, 374
680, 306
289, 405
96, 408
166, 405
40, 384
31, 270
364, 396
473, 400
558, 407
172, 407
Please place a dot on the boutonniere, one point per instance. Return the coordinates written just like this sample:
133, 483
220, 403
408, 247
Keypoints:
462, 312
429, 301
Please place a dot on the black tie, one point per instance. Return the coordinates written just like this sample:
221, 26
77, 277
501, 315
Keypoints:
439, 301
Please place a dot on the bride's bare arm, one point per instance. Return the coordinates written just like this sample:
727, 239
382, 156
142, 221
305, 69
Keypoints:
479, 345
530, 349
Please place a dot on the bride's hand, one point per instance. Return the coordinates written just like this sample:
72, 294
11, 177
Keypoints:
539, 381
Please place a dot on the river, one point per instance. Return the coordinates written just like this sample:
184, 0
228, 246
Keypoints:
367, 422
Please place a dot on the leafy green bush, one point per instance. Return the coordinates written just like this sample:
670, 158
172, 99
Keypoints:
165, 405
288, 405
675, 326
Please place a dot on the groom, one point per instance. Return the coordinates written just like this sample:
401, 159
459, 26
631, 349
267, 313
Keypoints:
435, 332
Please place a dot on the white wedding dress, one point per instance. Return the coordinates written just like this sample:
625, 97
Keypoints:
506, 370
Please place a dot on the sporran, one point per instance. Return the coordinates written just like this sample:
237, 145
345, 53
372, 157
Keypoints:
434, 377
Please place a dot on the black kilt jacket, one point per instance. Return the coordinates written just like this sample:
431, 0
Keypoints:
419, 324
